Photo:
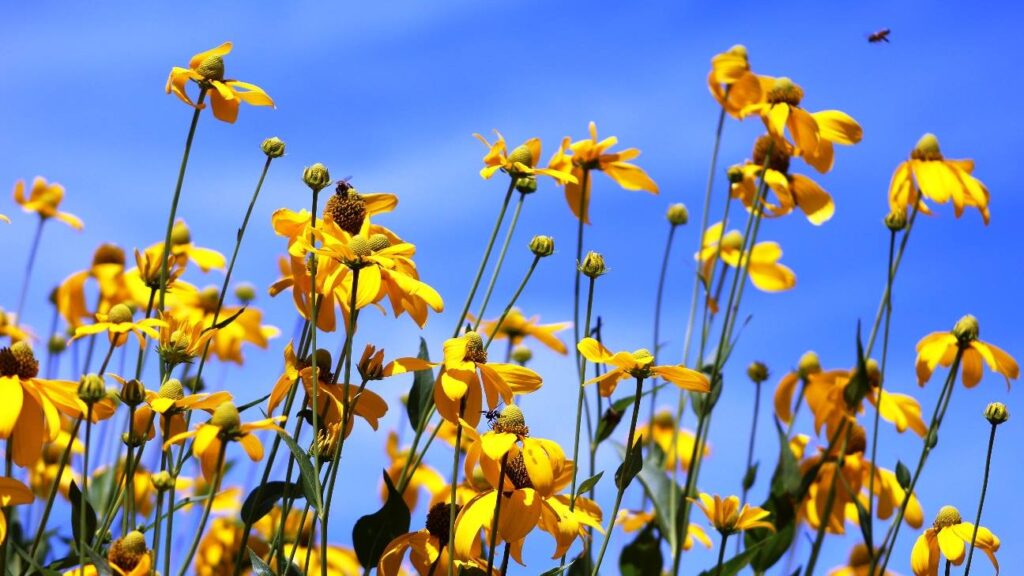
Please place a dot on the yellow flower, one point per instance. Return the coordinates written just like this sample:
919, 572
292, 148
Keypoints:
728, 517
520, 162
10, 328
929, 174
466, 368
144, 278
107, 270
296, 277
662, 430
119, 323
591, 154
181, 340
633, 521
44, 199
426, 547
424, 478
12, 493
812, 133
220, 545
340, 561
516, 328
824, 395
859, 563
761, 261
783, 399
30, 412
792, 190
225, 426
184, 250
939, 348
207, 70
246, 326
950, 535
732, 83
638, 364
128, 556
170, 402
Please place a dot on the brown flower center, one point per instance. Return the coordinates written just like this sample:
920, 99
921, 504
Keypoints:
125, 553
784, 91
438, 519
515, 471
511, 421
108, 254
475, 351
947, 516
767, 149
18, 360
347, 208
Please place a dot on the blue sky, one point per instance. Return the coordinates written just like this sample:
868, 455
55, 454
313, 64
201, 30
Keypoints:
391, 93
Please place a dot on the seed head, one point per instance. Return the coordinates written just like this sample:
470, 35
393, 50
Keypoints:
785, 91
515, 470
511, 421
677, 214
126, 552
211, 68
996, 413
757, 372
347, 208
120, 314
809, 364
857, 442
360, 245
732, 240
771, 153
475, 351
734, 174
521, 155
172, 389
927, 148
273, 147
109, 254
18, 360
738, 50
378, 242
438, 519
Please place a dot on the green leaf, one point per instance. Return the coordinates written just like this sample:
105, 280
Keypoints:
903, 475
558, 569
786, 478
751, 476
589, 483
771, 546
736, 563
306, 473
372, 533
75, 495
36, 568
421, 395
642, 556
259, 567
261, 500
582, 565
623, 475
611, 418
255, 402
658, 486
859, 385
864, 519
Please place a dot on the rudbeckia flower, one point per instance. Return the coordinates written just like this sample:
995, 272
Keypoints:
184, 250
246, 324
12, 493
771, 162
128, 556
535, 473
931, 175
144, 279
207, 70
31, 408
44, 199
663, 430
170, 402
296, 277
427, 548
940, 348
761, 261
859, 564
466, 368
423, 478
591, 154
638, 364
9, 327
107, 270
182, 340
520, 162
732, 83
812, 133
950, 535
220, 545
516, 327
340, 561
783, 398
632, 521
119, 323
728, 517
225, 425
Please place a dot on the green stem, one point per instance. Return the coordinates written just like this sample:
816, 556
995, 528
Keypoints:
584, 182
512, 302
981, 501
753, 437
218, 476
579, 400
499, 494
657, 319
627, 463
825, 517
177, 196
315, 316
52, 496
497, 265
106, 359
142, 350
84, 504
721, 555
886, 301
454, 490
32, 251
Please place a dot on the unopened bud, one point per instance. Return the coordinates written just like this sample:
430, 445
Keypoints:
245, 293
316, 177
593, 265
996, 413
273, 147
809, 364
120, 314
162, 481
91, 389
896, 220
526, 185
757, 372
966, 329
678, 215
57, 344
542, 246
521, 354
133, 392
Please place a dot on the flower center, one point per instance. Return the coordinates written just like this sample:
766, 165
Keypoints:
521, 155
927, 148
125, 553
438, 519
766, 149
475, 351
784, 91
180, 234
108, 254
515, 471
172, 389
226, 417
18, 360
211, 68
119, 314
511, 421
947, 516
347, 208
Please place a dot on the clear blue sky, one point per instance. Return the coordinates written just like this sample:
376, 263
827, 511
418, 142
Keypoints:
390, 94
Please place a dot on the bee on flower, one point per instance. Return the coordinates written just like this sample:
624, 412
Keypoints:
206, 69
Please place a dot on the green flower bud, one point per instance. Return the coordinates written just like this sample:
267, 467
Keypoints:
593, 265
245, 292
316, 177
678, 215
996, 413
133, 392
896, 220
91, 389
226, 417
757, 372
120, 314
542, 246
521, 354
966, 329
526, 184
273, 147
57, 344
162, 481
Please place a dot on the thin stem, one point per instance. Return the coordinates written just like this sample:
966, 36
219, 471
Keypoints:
584, 183
314, 317
627, 464
32, 251
753, 437
881, 381
454, 491
110, 352
218, 476
499, 494
657, 318
512, 302
579, 400
501, 260
893, 269
177, 196
981, 501
142, 350
825, 517
84, 504
721, 554
505, 557
52, 496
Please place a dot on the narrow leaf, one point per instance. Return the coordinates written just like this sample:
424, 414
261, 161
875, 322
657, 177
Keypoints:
75, 495
903, 475
421, 395
259, 567
635, 461
558, 569
307, 475
589, 483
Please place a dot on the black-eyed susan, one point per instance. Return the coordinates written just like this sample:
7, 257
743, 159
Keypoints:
207, 70
427, 548
662, 430
107, 270
12, 493
812, 133
950, 536
31, 408
728, 517
521, 162
466, 368
590, 154
516, 328
44, 199
761, 261
858, 564
733, 84
225, 425
119, 323
246, 325
929, 174
940, 348
792, 190
128, 556
638, 364
144, 279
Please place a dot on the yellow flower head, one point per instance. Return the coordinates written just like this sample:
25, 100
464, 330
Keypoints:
950, 535
220, 546
423, 478
663, 431
107, 269
761, 261
44, 199
732, 83
12, 492
427, 547
519, 163
631, 521
119, 323
638, 364
183, 249
584, 156
225, 425
940, 348
182, 340
207, 70
245, 326
859, 563
728, 517
936, 178
792, 190
516, 327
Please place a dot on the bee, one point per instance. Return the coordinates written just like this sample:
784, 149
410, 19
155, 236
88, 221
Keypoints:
492, 415
344, 186
880, 36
